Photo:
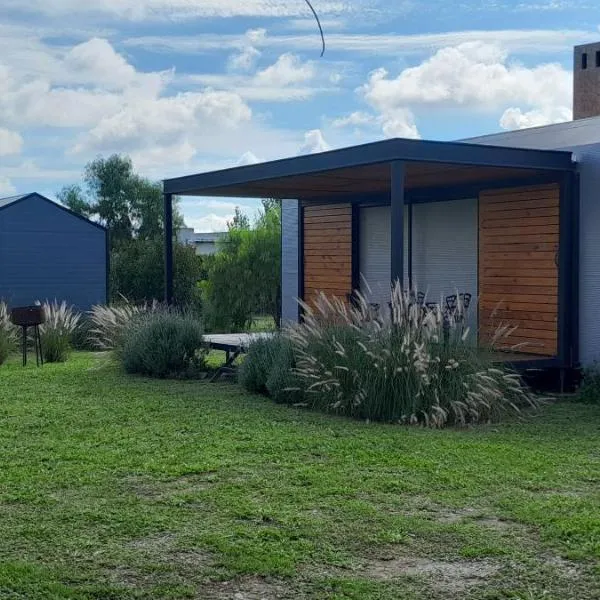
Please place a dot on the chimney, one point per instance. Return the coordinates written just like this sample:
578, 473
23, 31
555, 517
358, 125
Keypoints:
586, 81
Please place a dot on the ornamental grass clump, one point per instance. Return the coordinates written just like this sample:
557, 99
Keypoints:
108, 323
61, 322
409, 365
8, 333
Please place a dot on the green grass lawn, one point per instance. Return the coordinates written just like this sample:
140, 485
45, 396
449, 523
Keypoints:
119, 487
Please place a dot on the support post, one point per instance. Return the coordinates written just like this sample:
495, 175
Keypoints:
409, 258
566, 256
168, 205
397, 220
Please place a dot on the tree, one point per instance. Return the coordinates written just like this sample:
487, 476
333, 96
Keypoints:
137, 273
244, 277
128, 204
132, 209
239, 221
72, 197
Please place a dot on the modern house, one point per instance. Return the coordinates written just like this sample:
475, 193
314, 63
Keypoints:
48, 252
512, 219
205, 243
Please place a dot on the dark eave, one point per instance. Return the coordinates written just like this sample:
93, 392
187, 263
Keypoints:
288, 178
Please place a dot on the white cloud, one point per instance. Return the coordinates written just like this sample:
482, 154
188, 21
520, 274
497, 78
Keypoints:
529, 41
74, 88
355, 119
399, 122
244, 60
11, 142
314, 142
515, 118
166, 121
395, 122
287, 70
474, 75
6, 187
248, 158
147, 158
173, 9
311, 25
210, 222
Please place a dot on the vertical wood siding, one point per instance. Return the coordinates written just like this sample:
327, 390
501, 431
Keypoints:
327, 250
518, 273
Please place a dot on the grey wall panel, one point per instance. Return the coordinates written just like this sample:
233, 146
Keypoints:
561, 136
47, 253
290, 223
589, 254
445, 250
375, 252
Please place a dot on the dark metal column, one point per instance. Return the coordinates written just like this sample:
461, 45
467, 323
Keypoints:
410, 247
566, 264
168, 202
397, 220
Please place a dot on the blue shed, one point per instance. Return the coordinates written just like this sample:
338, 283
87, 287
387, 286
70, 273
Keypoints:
48, 252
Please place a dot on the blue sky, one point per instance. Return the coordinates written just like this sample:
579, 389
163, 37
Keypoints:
184, 86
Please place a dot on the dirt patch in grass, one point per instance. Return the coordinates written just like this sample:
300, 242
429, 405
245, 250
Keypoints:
147, 488
445, 576
247, 588
465, 515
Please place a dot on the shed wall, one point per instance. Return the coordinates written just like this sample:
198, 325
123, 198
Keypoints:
47, 253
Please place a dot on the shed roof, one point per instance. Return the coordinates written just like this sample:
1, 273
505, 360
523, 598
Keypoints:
366, 169
12, 200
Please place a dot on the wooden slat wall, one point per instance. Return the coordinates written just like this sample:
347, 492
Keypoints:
518, 276
327, 250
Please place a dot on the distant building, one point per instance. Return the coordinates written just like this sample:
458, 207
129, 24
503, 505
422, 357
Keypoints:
204, 243
586, 81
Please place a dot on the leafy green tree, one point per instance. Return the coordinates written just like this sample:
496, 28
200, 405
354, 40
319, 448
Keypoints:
132, 209
128, 204
244, 277
137, 273
239, 221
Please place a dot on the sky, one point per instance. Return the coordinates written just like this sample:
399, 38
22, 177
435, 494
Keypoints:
186, 86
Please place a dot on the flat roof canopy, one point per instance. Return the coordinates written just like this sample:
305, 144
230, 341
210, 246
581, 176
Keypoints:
365, 169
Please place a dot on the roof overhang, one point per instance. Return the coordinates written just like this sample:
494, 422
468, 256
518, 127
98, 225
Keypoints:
365, 169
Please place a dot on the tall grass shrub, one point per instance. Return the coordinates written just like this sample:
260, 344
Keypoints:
164, 344
406, 364
8, 333
108, 323
57, 330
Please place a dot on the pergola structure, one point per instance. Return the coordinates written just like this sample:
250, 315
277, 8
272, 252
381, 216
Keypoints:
401, 172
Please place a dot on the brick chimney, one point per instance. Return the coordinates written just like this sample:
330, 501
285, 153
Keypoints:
586, 81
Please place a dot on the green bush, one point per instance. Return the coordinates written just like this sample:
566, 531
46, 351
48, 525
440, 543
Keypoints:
407, 367
164, 344
57, 330
268, 368
7, 333
589, 393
